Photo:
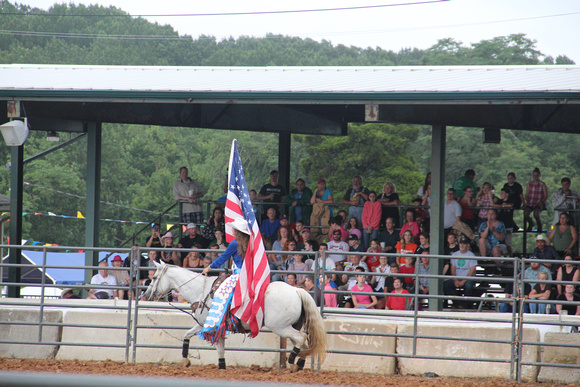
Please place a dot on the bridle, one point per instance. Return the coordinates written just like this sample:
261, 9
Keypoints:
164, 270
155, 281
202, 300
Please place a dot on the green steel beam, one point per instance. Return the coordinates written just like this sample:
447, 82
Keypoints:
314, 97
284, 146
16, 186
437, 198
93, 209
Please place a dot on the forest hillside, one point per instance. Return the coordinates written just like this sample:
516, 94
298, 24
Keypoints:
141, 163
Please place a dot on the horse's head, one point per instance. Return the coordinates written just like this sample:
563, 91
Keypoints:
160, 284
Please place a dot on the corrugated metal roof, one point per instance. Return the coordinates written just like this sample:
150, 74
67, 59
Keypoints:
453, 79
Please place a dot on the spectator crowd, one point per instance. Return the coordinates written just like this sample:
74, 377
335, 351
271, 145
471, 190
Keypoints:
299, 223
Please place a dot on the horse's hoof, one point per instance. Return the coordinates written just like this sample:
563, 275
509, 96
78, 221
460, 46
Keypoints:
293, 368
185, 362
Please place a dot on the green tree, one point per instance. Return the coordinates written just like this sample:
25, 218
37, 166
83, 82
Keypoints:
563, 60
445, 52
378, 152
515, 49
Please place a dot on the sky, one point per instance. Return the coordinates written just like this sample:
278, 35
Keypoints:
554, 24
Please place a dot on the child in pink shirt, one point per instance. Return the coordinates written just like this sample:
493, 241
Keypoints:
363, 300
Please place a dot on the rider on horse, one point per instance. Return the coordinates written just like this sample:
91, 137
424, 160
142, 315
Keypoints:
220, 320
236, 249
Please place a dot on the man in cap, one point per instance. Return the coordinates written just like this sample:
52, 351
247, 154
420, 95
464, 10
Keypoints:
461, 266
191, 239
337, 245
546, 253
68, 293
284, 221
354, 244
273, 193
121, 276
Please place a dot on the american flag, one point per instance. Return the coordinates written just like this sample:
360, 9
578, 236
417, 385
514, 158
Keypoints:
248, 300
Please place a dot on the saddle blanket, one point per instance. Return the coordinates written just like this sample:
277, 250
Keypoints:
219, 320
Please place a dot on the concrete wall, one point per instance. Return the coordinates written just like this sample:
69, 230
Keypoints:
561, 355
150, 336
167, 328
29, 333
463, 348
115, 334
207, 355
360, 363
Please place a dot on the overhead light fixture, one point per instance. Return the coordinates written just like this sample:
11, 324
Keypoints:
15, 132
52, 136
491, 135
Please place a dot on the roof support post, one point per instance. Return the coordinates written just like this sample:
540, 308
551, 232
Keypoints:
284, 149
437, 197
16, 186
93, 209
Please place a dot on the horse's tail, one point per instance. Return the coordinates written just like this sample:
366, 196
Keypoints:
314, 326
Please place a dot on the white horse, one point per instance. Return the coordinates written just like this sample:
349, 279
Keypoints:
286, 311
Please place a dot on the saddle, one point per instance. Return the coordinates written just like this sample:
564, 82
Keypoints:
207, 300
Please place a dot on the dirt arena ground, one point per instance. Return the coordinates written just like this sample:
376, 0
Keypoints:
242, 374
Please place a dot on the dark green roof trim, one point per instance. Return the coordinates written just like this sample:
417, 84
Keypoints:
198, 96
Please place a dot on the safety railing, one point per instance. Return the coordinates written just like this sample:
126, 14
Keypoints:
136, 323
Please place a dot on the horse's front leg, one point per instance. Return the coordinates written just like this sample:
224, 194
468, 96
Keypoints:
221, 349
185, 350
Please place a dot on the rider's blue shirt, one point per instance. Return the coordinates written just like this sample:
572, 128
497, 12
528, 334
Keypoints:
231, 251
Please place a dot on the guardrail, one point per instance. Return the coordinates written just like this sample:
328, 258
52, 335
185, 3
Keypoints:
135, 323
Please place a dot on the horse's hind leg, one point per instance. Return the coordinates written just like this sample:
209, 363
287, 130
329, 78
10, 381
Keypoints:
185, 349
221, 350
297, 338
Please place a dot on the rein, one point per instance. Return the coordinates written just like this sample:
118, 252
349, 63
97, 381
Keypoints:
191, 279
202, 300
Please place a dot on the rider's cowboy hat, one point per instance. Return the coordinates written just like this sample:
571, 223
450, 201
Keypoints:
240, 225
